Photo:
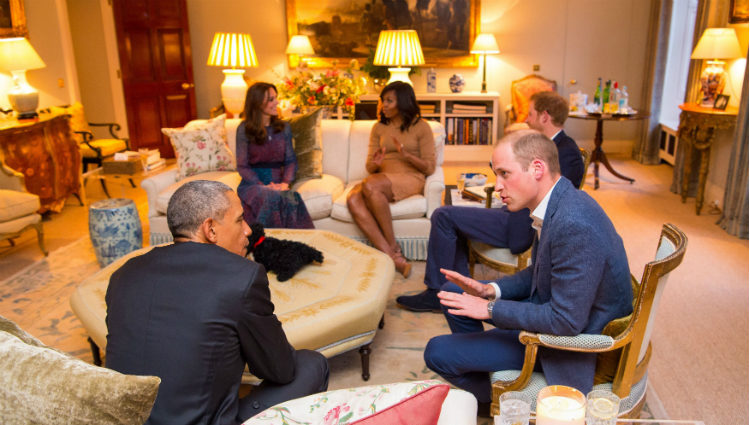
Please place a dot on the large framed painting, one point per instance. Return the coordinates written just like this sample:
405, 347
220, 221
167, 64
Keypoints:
738, 11
12, 19
341, 30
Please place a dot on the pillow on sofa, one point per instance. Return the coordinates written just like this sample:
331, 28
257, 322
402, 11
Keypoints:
308, 145
413, 403
201, 147
42, 385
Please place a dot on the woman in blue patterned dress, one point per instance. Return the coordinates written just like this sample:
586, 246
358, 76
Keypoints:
267, 164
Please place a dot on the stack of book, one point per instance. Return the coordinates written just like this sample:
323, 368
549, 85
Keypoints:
464, 108
151, 159
427, 108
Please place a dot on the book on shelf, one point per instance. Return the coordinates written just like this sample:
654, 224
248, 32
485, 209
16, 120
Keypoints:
461, 108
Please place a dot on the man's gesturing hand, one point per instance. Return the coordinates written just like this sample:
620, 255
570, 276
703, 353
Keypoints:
464, 305
469, 285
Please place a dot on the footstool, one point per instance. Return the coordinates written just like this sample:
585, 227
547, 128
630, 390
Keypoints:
331, 308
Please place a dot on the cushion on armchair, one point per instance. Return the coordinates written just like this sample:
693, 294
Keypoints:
412, 403
201, 147
42, 385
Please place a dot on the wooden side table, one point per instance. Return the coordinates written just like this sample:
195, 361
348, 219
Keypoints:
698, 126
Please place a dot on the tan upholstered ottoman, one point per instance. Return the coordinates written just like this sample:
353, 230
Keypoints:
332, 308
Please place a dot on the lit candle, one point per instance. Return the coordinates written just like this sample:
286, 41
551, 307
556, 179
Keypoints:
560, 405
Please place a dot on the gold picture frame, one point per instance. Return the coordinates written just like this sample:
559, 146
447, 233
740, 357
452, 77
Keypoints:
738, 11
348, 29
12, 19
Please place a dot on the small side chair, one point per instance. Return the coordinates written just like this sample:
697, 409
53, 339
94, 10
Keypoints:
624, 347
521, 91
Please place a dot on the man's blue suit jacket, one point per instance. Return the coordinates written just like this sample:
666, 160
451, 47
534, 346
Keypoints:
578, 282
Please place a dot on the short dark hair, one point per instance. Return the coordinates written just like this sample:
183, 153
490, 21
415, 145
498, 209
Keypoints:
406, 102
534, 145
553, 104
193, 203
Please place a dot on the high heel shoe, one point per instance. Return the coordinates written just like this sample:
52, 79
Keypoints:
403, 266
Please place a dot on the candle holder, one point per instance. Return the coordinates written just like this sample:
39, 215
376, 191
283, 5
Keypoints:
560, 405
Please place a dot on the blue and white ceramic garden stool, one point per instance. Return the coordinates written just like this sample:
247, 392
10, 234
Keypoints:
114, 228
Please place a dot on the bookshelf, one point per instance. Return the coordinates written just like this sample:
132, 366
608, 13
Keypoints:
470, 120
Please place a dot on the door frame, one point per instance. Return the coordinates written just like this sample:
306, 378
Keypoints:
113, 65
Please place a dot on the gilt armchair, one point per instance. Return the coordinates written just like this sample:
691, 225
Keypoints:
18, 208
623, 348
520, 92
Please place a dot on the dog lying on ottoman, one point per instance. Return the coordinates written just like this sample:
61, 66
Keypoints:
283, 257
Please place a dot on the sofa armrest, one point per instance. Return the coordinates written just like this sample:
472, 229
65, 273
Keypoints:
155, 184
434, 186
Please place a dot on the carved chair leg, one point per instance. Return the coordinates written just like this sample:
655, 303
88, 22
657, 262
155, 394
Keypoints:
364, 353
104, 186
95, 352
381, 325
12, 242
40, 237
132, 183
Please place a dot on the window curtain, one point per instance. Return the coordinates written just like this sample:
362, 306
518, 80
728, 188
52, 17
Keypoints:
734, 218
646, 147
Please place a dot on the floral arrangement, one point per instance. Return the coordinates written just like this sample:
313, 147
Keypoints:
333, 88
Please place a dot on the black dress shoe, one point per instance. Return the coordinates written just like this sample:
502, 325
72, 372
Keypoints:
426, 300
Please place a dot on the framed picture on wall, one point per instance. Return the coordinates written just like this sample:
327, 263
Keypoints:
721, 102
738, 11
341, 30
12, 19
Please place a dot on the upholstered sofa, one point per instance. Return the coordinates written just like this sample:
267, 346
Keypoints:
344, 149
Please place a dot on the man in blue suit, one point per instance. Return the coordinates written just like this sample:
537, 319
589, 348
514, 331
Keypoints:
499, 227
579, 280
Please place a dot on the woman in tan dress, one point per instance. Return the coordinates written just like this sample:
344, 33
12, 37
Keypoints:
400, 155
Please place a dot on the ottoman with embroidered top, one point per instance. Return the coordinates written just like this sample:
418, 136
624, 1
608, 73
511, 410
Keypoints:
332, 308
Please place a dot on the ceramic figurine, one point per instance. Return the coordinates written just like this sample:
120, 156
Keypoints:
456, 83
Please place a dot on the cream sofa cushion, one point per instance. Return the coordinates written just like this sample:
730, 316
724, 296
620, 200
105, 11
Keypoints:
336, 147
14, 204
319, 194
414, 206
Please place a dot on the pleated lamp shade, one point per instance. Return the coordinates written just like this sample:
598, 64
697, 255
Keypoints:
399, 48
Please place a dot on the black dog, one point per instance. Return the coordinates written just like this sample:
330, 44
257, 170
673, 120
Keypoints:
281, 256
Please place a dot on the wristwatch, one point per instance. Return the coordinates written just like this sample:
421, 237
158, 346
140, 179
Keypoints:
490, 306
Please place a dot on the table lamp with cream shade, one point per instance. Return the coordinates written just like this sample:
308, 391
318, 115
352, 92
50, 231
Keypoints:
399, 48
298, 48
715, 44
17, 56
484, 45
236, 51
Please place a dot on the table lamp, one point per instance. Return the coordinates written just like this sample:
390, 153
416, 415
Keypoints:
399, 48
299, 46
715, 44
17, 56
236, 51
484, 45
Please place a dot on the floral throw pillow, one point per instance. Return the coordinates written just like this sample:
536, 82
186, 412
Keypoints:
404, 403
201, 147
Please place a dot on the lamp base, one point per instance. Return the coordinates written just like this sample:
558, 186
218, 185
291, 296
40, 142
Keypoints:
400, 74
713, 79
234, 90
23, 98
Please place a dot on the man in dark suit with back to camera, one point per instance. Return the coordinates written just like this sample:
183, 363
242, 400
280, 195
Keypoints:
578, 282
194, 313
499, 227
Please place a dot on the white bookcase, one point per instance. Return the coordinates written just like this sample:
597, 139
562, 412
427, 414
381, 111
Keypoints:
470, 120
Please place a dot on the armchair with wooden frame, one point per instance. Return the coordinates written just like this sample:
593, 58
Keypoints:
520, 92
623, 348
501, 259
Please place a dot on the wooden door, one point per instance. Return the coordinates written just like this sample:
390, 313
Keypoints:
157, 74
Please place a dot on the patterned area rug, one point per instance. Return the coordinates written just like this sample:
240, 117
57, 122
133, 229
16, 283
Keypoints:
37, 298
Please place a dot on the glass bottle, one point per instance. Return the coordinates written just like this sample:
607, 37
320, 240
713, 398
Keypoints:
598, 93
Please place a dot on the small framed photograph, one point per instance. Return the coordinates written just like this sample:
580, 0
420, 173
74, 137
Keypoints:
722, 100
